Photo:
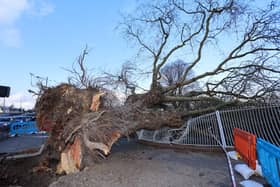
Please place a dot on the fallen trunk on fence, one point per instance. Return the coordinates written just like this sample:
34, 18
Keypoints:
87, 122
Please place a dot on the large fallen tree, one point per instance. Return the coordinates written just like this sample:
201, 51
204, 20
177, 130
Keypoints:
245, 67
83, 124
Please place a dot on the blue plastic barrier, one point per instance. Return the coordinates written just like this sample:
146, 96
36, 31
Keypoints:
23, 127
269, 158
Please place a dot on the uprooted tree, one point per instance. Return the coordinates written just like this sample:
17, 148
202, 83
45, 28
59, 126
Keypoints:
238, 42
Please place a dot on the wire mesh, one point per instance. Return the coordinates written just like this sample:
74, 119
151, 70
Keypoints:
263, 121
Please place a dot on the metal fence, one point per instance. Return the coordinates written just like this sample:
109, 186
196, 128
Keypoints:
217, 127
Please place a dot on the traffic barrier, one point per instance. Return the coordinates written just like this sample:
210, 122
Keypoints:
245, 145
269, 158
21, 127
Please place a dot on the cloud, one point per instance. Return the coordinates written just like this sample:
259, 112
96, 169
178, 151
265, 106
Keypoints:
21, 100
12, 10
10, 37
40, 7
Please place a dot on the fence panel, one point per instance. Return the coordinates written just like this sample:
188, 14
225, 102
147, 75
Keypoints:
263, 121
198, 131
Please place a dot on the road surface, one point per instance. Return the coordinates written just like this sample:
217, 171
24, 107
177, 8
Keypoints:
21, 143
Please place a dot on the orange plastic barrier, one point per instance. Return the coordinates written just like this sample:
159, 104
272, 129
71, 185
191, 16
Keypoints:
245, 145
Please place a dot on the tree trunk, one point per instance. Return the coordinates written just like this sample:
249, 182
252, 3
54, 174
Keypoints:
78, 133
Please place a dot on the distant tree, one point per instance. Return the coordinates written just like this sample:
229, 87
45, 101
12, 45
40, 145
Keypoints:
11, 107
172, 73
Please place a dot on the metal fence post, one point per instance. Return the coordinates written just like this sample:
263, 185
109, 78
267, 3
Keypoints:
154, 135
222, 135
140, 135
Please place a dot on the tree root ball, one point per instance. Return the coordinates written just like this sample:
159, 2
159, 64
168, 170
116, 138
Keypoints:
78, 132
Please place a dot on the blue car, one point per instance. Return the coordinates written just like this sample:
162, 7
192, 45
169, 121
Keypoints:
23, 127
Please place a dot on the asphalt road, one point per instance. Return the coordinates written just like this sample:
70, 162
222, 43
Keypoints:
21, 143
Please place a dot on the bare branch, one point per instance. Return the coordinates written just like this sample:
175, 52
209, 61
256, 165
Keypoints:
248, 38
81, 76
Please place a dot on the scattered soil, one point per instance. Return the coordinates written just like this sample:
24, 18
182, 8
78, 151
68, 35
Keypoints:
20, 173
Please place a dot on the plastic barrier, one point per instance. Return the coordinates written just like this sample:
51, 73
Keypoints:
27, 127
269, 157
245, 145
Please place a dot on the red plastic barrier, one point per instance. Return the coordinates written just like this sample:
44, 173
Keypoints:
245, 145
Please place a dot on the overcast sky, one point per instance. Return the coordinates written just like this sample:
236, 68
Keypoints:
42, 36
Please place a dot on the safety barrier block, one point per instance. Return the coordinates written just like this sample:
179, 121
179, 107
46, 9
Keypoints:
27, 127
245, 145
269, 158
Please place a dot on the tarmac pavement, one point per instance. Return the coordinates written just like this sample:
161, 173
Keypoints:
22, 143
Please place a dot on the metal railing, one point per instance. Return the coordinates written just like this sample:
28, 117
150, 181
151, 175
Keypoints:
205, 130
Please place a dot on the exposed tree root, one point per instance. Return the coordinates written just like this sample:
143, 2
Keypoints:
78, 132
